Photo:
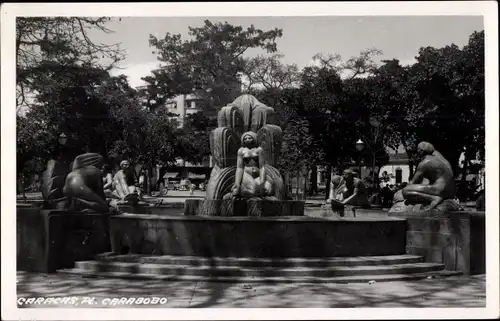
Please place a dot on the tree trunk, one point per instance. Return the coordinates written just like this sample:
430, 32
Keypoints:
304, 190
289, 183
328, 180
147, 182
297, 185
373, 173
20, 182
463, 180
377, 179
149, 179
314, 180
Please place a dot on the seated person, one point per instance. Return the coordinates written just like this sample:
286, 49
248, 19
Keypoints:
337, 188
124, 184
387, 195
438, 171
355, 191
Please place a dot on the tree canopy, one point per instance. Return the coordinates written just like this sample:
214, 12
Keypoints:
63, 77
210, 62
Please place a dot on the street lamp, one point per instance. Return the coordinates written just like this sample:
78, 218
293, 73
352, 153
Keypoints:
360, 145
62, 139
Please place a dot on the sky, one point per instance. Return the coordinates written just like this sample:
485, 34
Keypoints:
398, 37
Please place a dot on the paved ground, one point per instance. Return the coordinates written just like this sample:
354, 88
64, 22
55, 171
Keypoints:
448, 292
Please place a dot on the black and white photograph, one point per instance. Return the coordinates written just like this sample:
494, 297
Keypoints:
247, 158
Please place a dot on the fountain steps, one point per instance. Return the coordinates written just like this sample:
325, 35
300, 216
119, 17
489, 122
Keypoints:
332, 270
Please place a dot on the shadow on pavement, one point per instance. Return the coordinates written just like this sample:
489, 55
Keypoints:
450, 292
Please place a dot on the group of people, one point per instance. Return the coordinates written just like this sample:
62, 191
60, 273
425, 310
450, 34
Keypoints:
348, 189
386, 194
123, 185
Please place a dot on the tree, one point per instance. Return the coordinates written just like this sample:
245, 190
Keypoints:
267, 76
298, 148
30, 150
197, 128
58, 67
210, 62
338, 110
315, 102
448, 105
42, 42
362, 65
356, 66
84, 102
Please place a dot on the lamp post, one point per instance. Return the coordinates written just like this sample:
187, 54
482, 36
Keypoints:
360, 145
62, 139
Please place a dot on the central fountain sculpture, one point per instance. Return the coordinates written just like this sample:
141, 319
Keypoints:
244, 180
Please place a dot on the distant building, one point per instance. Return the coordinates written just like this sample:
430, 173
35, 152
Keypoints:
184, 105
398, 169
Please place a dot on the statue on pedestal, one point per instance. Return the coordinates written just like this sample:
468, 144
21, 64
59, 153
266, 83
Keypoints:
438, 194
245, 148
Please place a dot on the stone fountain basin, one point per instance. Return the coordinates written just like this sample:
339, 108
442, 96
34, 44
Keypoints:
251, 208
292, 236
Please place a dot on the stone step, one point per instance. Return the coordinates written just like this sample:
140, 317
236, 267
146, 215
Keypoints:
257, 262
279, 279
262, 272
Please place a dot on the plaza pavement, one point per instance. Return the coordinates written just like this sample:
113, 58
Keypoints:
460, 292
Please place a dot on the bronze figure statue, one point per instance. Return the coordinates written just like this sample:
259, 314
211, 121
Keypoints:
84, 185
438, 194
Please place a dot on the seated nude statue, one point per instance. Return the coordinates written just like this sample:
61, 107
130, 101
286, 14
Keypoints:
84, 185
438, 171
251, 179
124, 184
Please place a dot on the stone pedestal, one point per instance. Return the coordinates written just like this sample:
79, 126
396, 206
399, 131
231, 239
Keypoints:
48, 240
456, 239
253, 208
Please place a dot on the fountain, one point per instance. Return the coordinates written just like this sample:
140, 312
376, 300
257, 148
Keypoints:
246, 229
245, 181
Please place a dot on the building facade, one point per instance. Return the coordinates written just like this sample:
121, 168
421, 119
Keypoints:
182, 106
397, 170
